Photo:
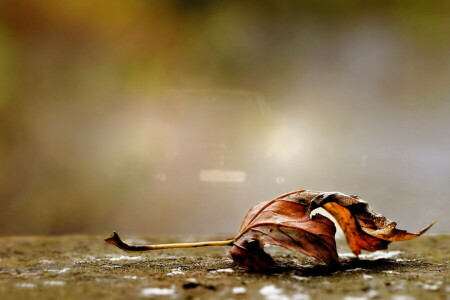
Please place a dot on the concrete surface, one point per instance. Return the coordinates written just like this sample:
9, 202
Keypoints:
85, 267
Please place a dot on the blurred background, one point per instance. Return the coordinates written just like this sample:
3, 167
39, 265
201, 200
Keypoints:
175, 117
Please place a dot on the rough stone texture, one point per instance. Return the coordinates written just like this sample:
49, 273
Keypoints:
85, 267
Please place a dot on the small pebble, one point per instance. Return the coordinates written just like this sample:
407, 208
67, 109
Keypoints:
46, 261
391, 272
355, 298
229, 270
431, 287
239, 290
157, 291
174, 272
54, 283
301, 278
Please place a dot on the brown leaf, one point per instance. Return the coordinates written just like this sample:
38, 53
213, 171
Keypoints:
284, 222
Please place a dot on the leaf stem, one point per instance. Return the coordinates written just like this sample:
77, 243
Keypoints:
115, 240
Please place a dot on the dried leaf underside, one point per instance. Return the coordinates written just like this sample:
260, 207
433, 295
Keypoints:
285, 221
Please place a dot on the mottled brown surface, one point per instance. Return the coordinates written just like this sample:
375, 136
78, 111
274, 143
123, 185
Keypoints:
83, 267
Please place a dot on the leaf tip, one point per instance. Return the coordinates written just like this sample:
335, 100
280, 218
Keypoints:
426, 228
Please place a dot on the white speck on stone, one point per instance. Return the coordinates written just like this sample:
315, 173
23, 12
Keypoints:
271, 292
431, 287
228, 270
391, 272
301, 278
374, 256
62, 271
26, 285
239, 290
367, 277
46, 261
404, 260
381, 255
373, 294
157, 291
59, 271
174, 272
54, 282
124, 257
130, 277
191, 280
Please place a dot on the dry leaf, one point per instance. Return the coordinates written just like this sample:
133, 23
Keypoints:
286, 221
